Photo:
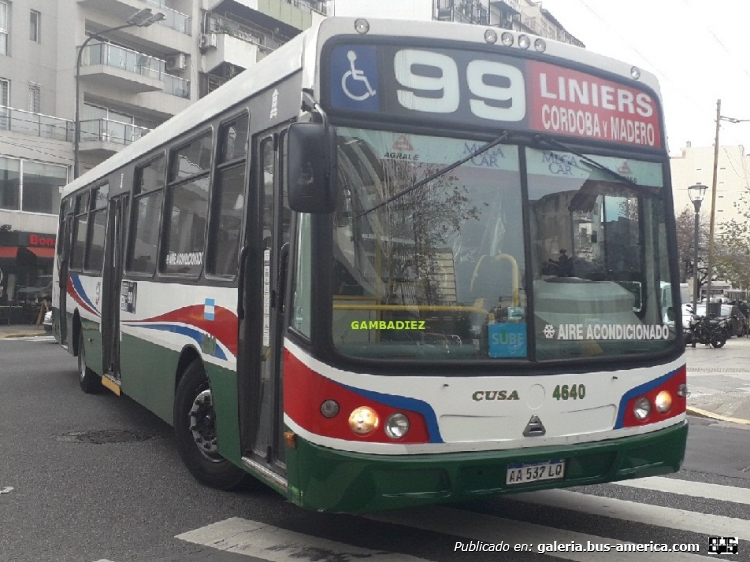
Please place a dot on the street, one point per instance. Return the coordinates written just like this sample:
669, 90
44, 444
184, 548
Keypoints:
90, 478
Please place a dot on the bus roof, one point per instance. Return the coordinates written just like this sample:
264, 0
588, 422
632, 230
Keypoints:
297, 55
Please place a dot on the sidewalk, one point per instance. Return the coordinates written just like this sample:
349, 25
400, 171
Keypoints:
718, 379
21, 331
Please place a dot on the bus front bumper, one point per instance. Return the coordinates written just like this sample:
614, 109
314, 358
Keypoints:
338, 481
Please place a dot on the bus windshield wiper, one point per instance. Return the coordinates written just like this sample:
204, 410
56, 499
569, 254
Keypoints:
586, 159
440, 172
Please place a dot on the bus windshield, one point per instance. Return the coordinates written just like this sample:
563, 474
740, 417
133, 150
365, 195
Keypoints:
441, 273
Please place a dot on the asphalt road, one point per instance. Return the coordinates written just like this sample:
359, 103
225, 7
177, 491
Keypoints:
94, 478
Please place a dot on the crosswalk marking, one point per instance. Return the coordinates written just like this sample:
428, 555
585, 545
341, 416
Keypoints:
246, 538
687, 488
656, 515
251, 538
493, 529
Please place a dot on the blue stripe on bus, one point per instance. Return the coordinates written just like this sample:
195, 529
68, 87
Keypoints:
633, 392
197, 335
76, 280
402, 402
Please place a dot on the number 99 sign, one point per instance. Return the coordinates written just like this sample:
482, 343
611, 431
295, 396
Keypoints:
431, 82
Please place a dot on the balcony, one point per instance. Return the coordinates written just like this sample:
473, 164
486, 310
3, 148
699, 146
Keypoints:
123, 9
35, 124
104, 64
103, 137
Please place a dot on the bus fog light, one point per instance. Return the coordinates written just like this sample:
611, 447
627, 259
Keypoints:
506, 39
524, 42
396, 425
363, 420
329, 408
642, 408
663, 402
362, 26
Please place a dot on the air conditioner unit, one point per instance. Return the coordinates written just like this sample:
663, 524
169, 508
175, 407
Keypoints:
208, 41
177, 62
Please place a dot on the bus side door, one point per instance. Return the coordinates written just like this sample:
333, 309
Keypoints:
117, 213
261, 342
63, 263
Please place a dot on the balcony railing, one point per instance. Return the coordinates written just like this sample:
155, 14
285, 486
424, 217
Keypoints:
107, 130
35, 124
138, 63
265, 39
172, 18
176, 86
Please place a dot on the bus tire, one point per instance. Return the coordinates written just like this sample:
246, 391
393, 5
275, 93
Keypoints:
195, 432
90, 382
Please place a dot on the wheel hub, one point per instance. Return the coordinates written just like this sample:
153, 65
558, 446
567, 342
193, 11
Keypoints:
203, 425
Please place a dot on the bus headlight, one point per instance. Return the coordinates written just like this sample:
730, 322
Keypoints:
361, 26
396, 425
540, 45
663, 402
642, 408
363, 420
490, 36
524, 42
506, 39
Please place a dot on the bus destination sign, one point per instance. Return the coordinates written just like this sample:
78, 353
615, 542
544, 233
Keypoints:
486, 89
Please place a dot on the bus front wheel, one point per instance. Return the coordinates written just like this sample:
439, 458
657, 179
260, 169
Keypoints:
90, 382
194, 420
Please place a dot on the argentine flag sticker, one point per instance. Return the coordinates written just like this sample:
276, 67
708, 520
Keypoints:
208, 309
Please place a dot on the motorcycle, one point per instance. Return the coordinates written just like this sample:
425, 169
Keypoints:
707, 330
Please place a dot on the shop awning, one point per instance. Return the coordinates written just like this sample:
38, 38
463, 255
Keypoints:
12, 251
42, 252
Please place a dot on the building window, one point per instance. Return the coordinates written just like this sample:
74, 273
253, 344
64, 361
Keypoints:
35, 97
4, 104
31, 186
4, 23
35, 31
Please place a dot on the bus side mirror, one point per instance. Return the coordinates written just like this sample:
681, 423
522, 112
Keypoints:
311, 168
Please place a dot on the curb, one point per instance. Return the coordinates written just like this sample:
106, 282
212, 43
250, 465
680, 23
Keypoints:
710, 415
23, 334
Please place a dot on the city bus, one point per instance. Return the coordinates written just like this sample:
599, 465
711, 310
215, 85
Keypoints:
392, 264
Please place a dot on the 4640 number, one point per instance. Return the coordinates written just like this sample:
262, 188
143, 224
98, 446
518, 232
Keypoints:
569, 392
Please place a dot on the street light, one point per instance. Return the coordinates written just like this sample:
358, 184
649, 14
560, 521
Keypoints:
696, 192
142, 18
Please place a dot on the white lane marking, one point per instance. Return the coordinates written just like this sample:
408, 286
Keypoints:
6, 489
656, 515
252, 538
496, 530
687, 488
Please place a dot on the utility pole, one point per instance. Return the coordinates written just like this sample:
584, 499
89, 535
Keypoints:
713, 209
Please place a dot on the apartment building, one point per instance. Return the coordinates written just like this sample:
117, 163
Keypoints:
107, 66
64, 58
695, 164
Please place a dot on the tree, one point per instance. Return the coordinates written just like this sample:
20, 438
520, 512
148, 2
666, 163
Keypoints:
733, 249
685, 222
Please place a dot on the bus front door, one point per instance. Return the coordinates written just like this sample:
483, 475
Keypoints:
263, 264
117, 213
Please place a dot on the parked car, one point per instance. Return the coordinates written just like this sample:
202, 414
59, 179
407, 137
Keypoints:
37, 292
730, 313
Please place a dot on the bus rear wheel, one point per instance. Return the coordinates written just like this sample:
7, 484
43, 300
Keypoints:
194, 420
90, 382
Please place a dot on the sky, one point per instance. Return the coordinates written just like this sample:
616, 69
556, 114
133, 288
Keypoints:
698, 50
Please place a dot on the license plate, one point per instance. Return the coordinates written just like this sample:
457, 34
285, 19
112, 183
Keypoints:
534, 472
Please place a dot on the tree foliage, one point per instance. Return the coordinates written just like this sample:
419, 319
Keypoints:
732, 248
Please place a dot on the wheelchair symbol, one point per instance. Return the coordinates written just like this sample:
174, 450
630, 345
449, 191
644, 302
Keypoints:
356, 75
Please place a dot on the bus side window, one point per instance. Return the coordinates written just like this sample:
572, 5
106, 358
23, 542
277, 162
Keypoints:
228, 200
148, 196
